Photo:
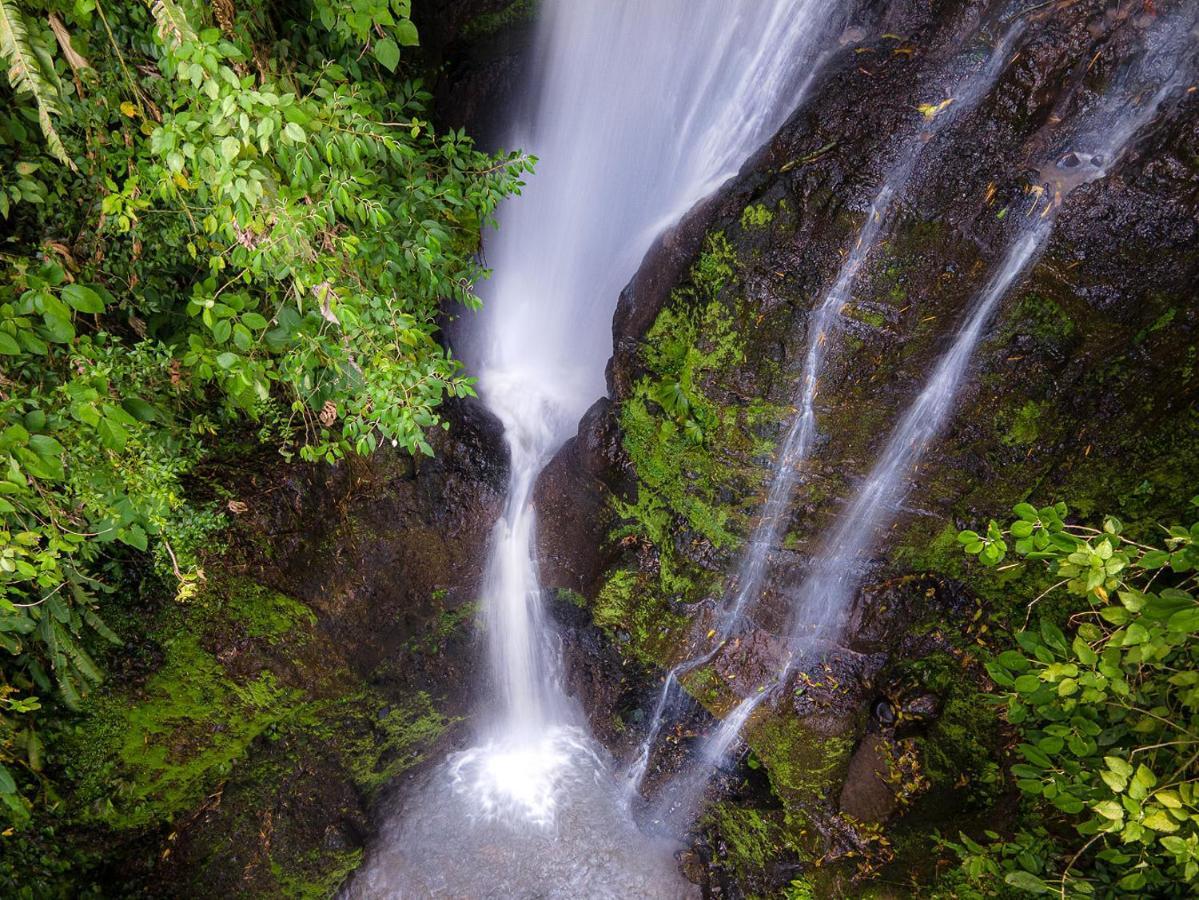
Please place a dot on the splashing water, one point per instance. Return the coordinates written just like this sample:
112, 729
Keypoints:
640, 109
801, 436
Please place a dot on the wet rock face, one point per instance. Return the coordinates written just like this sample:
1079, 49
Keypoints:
370, 544
480, 52
1083, 388
379, 560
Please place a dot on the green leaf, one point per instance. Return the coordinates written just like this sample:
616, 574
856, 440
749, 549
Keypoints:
59, 330
406, 33
7, 784
112, 435
82, 298
1110, 809
9, 345
1027, 684
1160, 821
227, 360
387, 53
1026, 881
1026, 511
295, 133
140, 409
230, 148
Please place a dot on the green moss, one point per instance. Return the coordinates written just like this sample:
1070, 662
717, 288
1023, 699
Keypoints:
716, 266
318, 876
803, 766
492, 23
866, 316
397, 738
266, 613
756, 216
752, 838
1043, 319
1025, 425
449, 623
143, 762
683, 441
630, 605
574, 598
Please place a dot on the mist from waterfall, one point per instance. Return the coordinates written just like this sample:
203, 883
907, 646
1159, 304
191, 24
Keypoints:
637, 110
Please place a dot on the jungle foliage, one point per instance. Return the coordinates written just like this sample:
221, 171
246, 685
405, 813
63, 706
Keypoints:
224, 224
1103, 695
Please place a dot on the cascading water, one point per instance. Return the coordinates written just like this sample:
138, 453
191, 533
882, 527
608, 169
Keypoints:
1101, 138
801, 436
640, 109
1096, 144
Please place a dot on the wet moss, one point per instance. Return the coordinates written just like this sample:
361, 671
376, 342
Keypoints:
142, 761
318, 875
265, 613
755, 216
489, 24
750, 839
690, 444
630, 608
1025, 426
803, 765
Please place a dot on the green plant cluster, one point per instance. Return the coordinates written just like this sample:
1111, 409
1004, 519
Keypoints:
1107, 710
683, 441
222, 223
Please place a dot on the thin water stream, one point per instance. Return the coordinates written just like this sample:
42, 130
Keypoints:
964, 96
1090, 147
637, 110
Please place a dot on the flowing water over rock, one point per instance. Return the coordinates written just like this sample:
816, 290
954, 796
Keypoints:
801, 436
1101, 135
640, 109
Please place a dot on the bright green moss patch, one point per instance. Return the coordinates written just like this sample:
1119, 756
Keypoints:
1025, 425
756, 216
688, 445
865, 315
629, 604
752, 838
392, 740
164, 751
803, 766
266, 613
318, 876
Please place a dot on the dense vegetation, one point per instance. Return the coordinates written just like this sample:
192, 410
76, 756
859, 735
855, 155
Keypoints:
224, 226
1103, 695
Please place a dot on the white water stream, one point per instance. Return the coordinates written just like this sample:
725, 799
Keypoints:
639, 108
1090, 148
965, 96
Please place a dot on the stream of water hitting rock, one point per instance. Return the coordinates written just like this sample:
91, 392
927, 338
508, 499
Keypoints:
638, 110
1091, 147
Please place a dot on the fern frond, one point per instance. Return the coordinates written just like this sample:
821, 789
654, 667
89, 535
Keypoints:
26, 76
173, 25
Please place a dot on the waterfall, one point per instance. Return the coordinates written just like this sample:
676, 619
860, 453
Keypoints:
801, 435
1092, 146
1099, 139
638, 110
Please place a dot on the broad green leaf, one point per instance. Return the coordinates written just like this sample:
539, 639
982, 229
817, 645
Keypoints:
387, 53
82, 298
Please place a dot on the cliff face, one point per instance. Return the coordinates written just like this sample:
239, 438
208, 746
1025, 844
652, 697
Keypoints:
1083, 389
248, 728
